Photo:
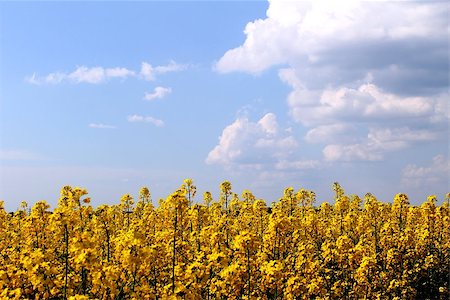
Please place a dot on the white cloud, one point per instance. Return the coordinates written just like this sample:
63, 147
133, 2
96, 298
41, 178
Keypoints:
403, 134
52, 78
379, 141
119, 72
249, 144
148, 72
308, 31
101, 126
269, 124
172, 66
32, 79
437, 172
441, 109
350, 152
367, 102
145, 119
88, 75
328, 133
340, 117
358, 70
158, 93
83, 74
96, 75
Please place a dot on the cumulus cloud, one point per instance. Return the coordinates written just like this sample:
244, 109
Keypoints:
364, 103
437, 172
357, 69
158, 93
96, 75
101, 126
145, 119
325, 38
379, 141
330, 133
252, 144
340, 118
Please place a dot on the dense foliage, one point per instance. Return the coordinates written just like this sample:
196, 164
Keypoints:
229, 248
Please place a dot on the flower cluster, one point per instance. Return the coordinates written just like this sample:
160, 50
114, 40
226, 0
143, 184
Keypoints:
234, 247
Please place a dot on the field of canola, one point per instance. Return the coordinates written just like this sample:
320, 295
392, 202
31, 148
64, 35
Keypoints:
234, 247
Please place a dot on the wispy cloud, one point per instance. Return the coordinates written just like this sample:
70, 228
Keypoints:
101, 126
32, 79
172, 66
82, 74
417, 176
98, 74
119, 72
158, 93
285, 165
145, 119
148, 72
88, 75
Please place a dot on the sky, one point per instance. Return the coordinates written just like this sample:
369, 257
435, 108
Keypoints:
113, 96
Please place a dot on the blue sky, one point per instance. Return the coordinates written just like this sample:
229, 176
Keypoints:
112, 96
